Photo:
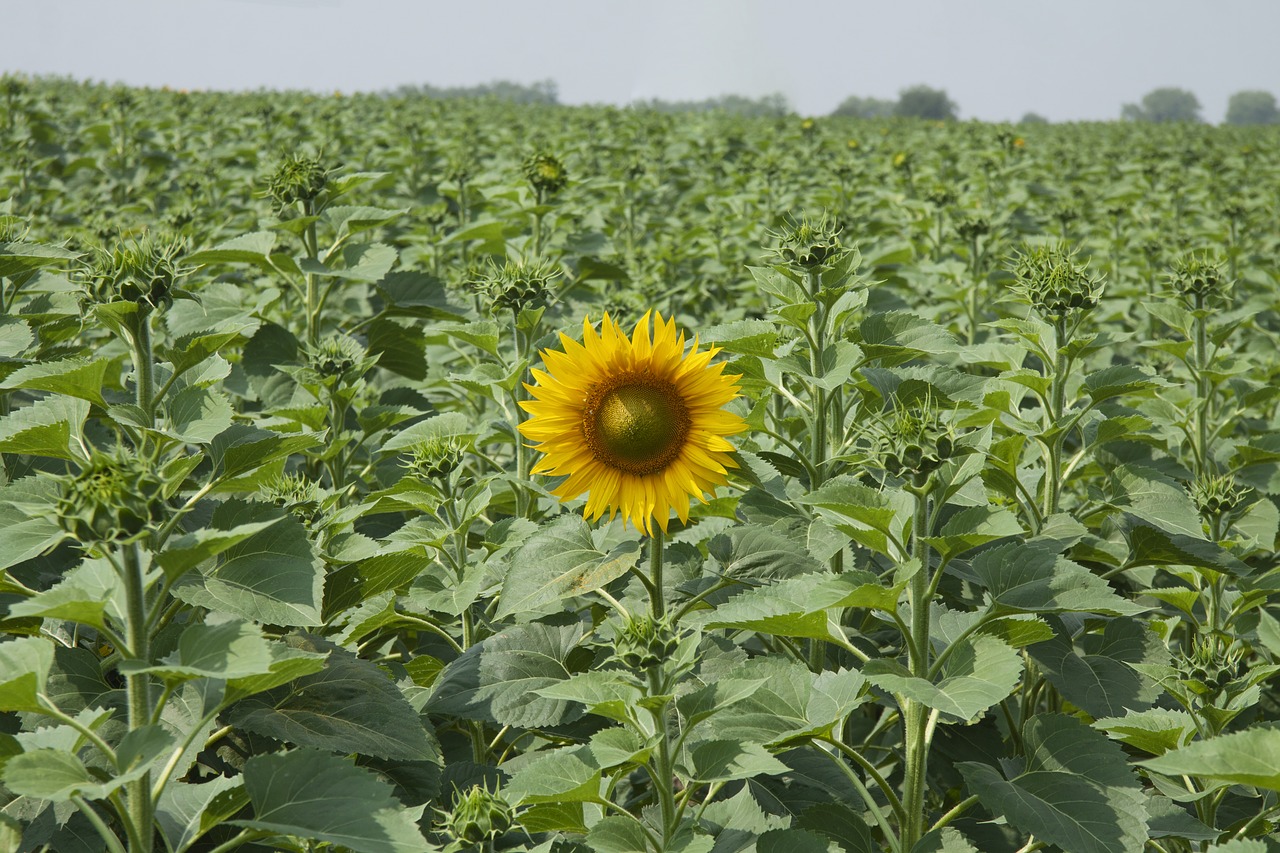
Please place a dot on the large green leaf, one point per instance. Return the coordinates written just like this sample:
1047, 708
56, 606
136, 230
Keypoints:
1074, 789
561, 560
1036, 579
74, 377
315, 795
495, 679
792, 703
1095, 673
978, 673
224, 651
1249, 757
348, 706
562, 776
83, 595
274, 576
24, 672
51, 426
801, 606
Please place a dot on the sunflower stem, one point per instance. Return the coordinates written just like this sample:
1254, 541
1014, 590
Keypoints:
915, 716
657, 595
818, 438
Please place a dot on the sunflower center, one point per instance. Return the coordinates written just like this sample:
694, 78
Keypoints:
638, 428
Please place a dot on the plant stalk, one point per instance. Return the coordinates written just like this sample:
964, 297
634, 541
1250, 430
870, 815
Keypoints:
138, 691
915, 716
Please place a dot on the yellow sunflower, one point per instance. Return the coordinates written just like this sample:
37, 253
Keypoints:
637, 422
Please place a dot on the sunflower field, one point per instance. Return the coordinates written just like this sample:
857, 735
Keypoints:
387, 474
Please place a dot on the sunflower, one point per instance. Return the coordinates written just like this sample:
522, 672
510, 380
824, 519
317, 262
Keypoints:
637, 422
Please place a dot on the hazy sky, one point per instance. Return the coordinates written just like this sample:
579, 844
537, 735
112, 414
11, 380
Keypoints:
1065, 59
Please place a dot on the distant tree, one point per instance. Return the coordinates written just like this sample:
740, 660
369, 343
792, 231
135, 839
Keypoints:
858, 107
773, 105
1164, 105
1252, 108
1032, 118
924, 102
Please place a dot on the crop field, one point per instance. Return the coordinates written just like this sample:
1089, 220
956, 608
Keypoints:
390, 474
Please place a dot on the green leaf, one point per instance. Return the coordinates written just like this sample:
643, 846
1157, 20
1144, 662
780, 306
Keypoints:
74, 377
448, 425
945, 840
562, 776
1034, 579
83, 596
1249, 757
197, 415
616, 834
367, 262
974, 526
46, 428
745, 337
1074, 790
323, 797
792, 704
50, 774
274, 576
228, 650
241, 448
1150, 545
726, 760
798, 607
872, 518
605, 693
186, 812
252, 248
840, 824
753, 551
1156, 730
494, 679
24, 672
979, 672
348, 706
1121, 380
1098, 676
185, 552
560, 561
288, 662
21, 257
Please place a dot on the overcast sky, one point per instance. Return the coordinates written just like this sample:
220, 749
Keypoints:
1065, 59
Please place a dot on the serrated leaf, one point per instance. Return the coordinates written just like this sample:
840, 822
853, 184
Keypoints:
1248, 757
254, 248
197, 415
563, 776
494, 679
348, 706
726, 760
74, 377
241, 448
1155, 730
223, 651
46, 428
448, 425
1075, 789
560, 561
315, 795
972, 527
274, 576
185, 552
24, 672
979, 672
1150, 545
83, 595
185, 812
798, 606
1098, 676
1033, 579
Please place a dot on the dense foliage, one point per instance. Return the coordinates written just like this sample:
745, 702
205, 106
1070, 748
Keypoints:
996, 570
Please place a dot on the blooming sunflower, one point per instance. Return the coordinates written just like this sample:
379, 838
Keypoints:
637, 422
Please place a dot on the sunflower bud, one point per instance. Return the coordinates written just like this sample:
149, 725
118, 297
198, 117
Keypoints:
1219, 497
338, 360
296, 495
436, 459
144, 271
1211, 665
116, 497
516, 285
1050, 279
971, 225
914, 440
1198, 275
299, 177
806, 245
545, 173
646, 642
479, 815
940, 195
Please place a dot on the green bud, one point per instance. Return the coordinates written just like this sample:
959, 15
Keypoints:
971, 225
144, 271
298, 177
807, 245
1219, 496
338, 360
645, 642
515, 285
436, 459
300, 497
913, 439
479, 815
1198, 274
116, 497
1051, 280
545, 173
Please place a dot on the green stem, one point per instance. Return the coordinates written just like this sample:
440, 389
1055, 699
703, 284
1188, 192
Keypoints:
313, 289
518, 394
138, 691
657, 595
1203, 457
915, 715
1057, 403
819, 441
144, 365
663, 773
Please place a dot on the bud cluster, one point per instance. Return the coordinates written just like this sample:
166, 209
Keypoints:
807, 245
545, 173
913, 440
1219, 497
515, 285
479, 815
338, 360
117, 497
1198, 275
1212, 665
436, 458
645, 642
299, 177
1049, 277
143, 271
296, 495
971, 225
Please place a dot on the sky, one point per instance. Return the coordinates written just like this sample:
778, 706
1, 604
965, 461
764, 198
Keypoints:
997, 59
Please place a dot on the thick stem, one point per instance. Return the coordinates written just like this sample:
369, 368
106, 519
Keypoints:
313, 287
523, 460
819, 441
138, 691
915, 716
657, 596
663, 773
1057, 404
144, 365
1203, 458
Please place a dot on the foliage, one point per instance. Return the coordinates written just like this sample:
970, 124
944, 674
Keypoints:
996, 570
855, 106
925, 102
